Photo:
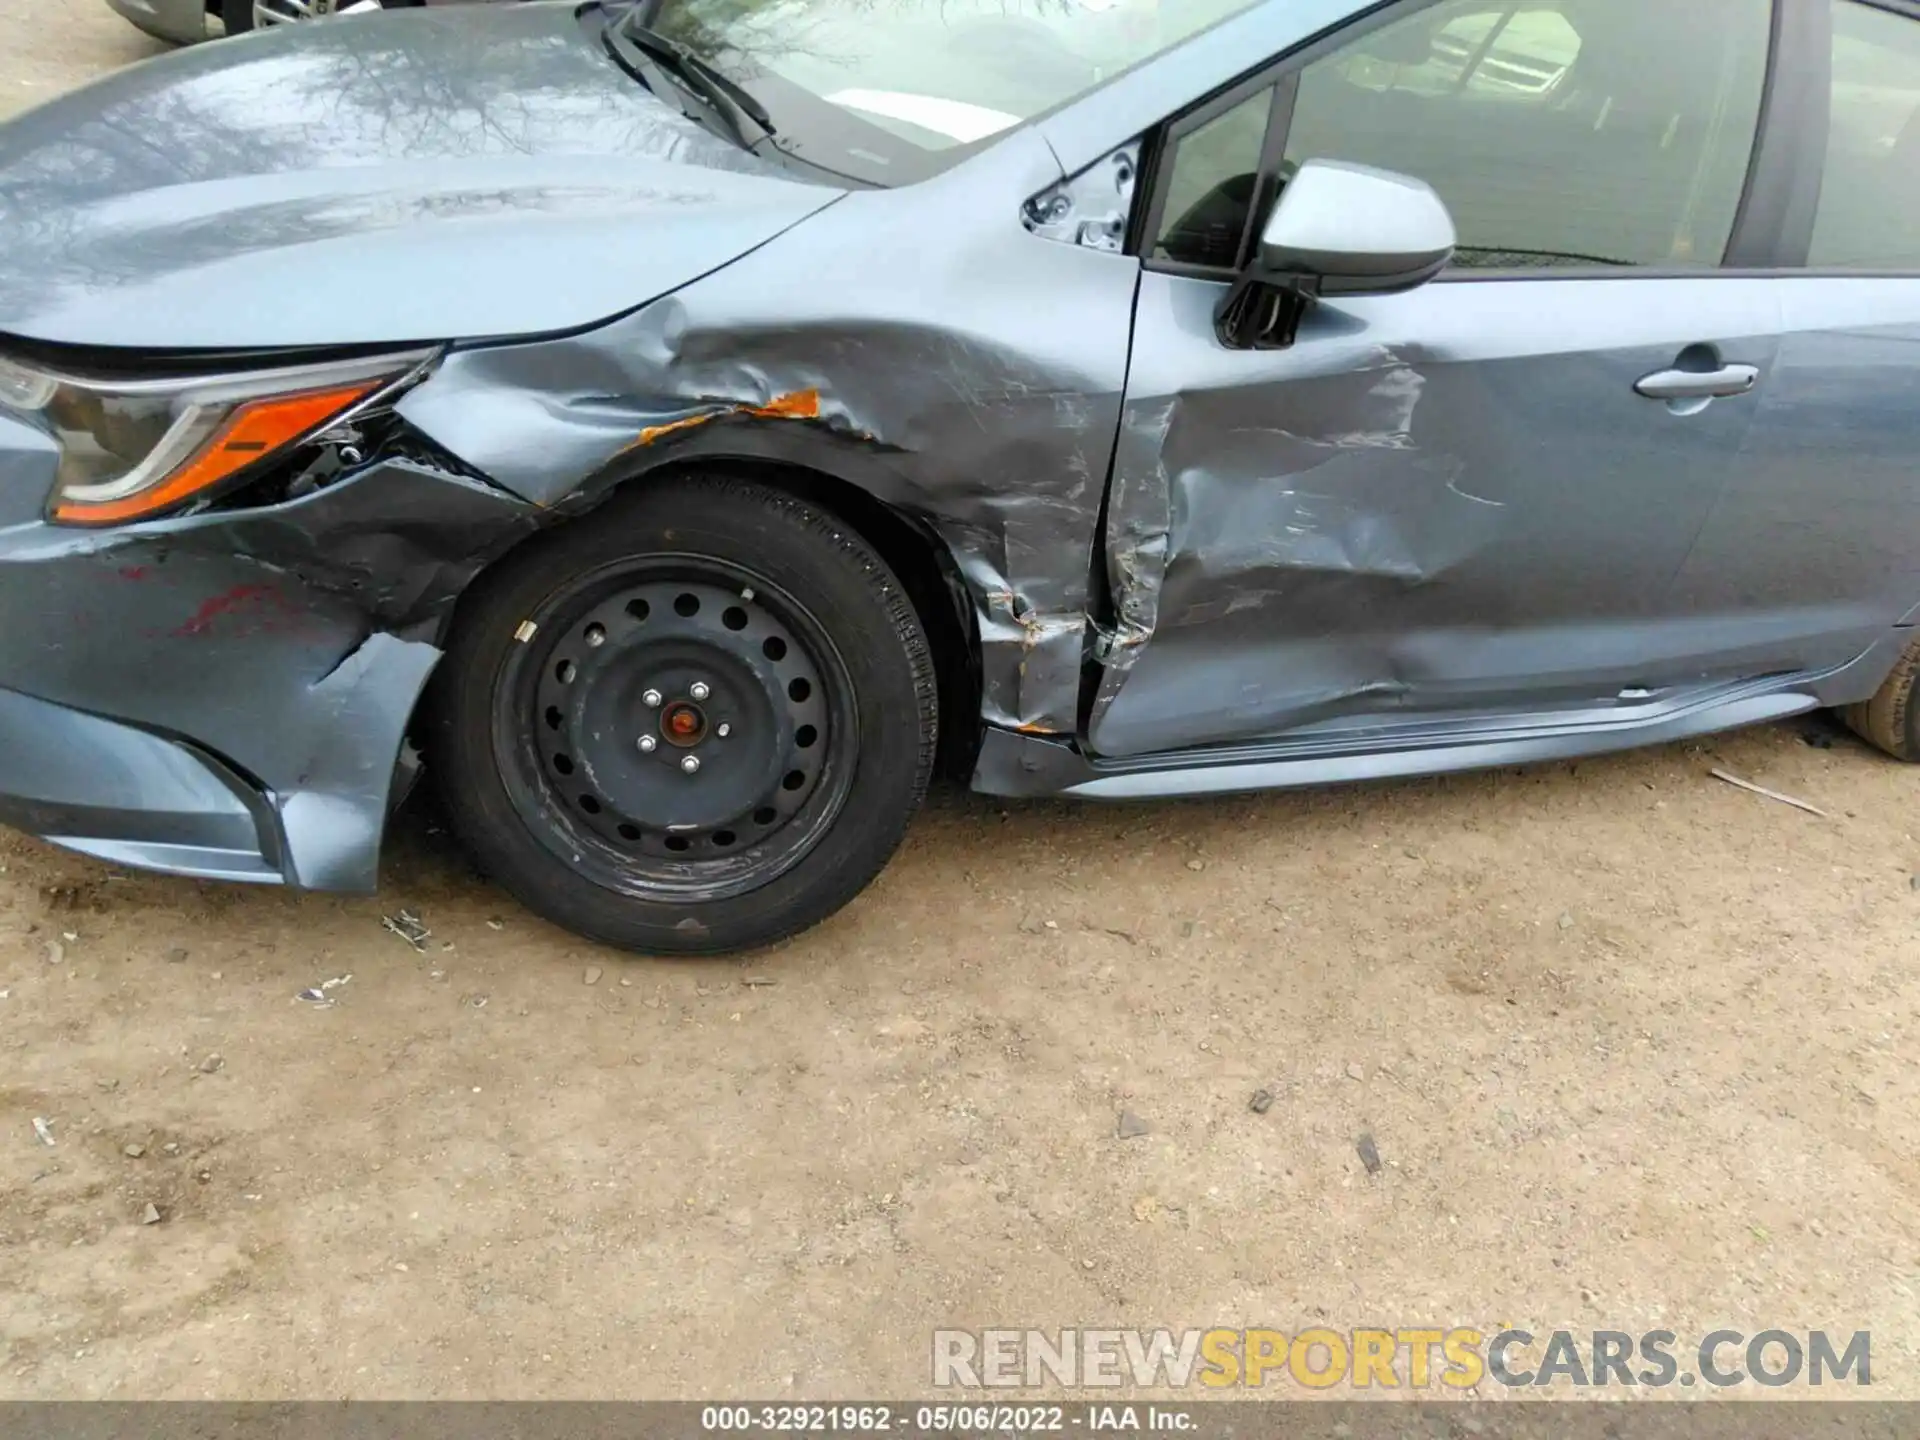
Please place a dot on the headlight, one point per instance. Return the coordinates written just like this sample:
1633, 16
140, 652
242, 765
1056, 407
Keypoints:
131, 449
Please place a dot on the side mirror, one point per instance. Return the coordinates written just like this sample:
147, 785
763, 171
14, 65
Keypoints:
1343, 229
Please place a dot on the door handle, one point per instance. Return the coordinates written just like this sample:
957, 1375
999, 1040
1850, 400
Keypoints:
1699, 384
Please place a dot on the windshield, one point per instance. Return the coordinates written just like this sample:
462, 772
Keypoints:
891, 90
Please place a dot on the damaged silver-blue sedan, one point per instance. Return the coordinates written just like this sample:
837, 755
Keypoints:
686, 426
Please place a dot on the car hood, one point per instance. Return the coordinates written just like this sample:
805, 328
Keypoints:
424, 174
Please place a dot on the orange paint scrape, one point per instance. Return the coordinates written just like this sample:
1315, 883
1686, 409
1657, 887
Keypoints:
800, 405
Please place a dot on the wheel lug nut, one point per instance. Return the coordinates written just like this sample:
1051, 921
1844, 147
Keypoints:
652, 699
723, 731
648, 744
699, 690
690, 764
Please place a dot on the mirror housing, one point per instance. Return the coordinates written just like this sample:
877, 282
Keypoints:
1342, 229
1338, 229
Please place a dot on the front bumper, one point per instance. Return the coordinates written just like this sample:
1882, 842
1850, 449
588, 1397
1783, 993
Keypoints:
126, 794
227, 694
131, 797
181, 21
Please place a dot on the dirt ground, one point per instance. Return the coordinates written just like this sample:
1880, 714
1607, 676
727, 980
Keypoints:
1634, 1045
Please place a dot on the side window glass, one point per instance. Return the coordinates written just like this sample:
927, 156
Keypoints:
1485, 51
1214, 175
1559, 132
1869, 215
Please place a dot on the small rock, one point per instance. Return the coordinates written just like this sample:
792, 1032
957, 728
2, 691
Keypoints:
757, 982
1262, 1102
1566, 920
150, 1215
213, 1064
1369, 1154
1355, 1072
177, 955
133, 1152
1131, 1126
1196, 864
172, 1147
496, 924
1086, 1264
1145, 1208
592, 977
1818, 739
1914, 881
56, 952
216, 974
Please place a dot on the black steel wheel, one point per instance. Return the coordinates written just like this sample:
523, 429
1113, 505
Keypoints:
686, 726
699, 721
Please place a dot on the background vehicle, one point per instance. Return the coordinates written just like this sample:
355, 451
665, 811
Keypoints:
185, 21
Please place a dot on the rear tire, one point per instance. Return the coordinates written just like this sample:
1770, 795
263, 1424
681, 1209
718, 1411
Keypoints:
1891, 719
704, 619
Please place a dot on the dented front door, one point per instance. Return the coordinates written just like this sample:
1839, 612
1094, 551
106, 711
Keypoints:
1451, 500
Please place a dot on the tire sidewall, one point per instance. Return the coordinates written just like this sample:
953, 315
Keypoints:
1904, 721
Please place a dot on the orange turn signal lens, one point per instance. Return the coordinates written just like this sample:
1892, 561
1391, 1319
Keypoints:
249, 432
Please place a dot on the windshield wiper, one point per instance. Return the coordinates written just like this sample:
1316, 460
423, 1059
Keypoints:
724, 94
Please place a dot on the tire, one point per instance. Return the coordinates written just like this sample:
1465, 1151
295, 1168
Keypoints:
704, 618
1891, 719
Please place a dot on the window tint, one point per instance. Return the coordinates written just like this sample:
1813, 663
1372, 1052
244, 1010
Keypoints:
1869, 214
1530, 54
1559, 132
1210, 188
